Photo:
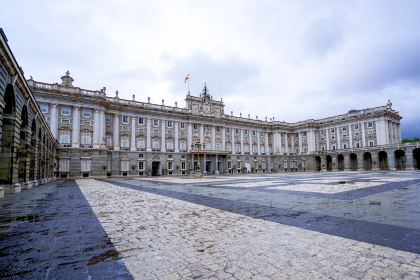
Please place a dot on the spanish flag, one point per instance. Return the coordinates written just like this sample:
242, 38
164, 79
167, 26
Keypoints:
187, 77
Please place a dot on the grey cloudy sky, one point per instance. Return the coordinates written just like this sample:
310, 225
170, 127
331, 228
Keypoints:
293, 60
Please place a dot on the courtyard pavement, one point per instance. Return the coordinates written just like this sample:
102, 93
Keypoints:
346, 225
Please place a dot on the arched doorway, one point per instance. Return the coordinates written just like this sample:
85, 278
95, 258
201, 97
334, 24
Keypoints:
367, 161
416, 158
318, 163
23, 145
383, 160
329, 163
8, 151
353, 162
340, 162
399, 159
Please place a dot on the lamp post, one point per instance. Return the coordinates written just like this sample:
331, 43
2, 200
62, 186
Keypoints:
196, 148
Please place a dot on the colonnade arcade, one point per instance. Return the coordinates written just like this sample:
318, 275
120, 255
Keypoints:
396, 158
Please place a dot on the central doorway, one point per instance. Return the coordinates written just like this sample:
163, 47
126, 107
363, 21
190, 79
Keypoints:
208, 167
155, 168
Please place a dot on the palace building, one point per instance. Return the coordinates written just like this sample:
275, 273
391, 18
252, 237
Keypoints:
53, 130
99, 135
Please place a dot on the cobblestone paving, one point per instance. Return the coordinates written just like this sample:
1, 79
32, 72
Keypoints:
285, 226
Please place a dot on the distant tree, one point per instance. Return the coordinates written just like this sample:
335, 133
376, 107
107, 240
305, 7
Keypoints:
415, 139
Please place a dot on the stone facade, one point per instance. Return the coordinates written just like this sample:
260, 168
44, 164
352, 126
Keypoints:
28, 148
103, 136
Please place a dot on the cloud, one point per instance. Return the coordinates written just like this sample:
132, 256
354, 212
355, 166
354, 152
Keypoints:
293, 60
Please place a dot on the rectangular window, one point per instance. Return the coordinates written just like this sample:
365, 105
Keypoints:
169, 145
86, 138
238, 148
125, 119
195, 126
169, 124
228, 130
108, 118
140, 143
246, 131
370, 124
85, 165
124, 143
155, 122
332, 130
344, 128
108, 141
141, 121
183, 165
182, 125
141, 165
229, 165
237, 131
124, 165
183, 146
44, 108
64, 165
155, 144
254, 133
356, 126
87, 113
65, 111
170, 165
64, 137
357, 145
371, 143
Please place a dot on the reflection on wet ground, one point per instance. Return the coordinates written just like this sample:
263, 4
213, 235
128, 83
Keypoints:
267, 226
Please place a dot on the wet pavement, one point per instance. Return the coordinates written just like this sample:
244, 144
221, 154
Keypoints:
347, 225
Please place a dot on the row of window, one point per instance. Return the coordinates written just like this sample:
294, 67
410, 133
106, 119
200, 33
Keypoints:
355, 127
85, 165
66, 110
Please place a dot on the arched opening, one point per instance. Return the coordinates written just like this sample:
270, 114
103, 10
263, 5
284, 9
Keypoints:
367, 161
399, 159
329, 163
353, 162
416, 158
23, 146
8, 151
9, 99
340, 162
383, 160
318, 163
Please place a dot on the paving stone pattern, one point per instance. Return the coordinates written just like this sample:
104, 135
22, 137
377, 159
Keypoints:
276, 226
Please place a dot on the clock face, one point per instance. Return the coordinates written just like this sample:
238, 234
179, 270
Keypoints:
206, 108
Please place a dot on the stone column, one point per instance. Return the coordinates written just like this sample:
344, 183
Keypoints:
101, 128
292, 144
338, 138
189, 136
149, 134
409, 161
162, 137
96, 128
363, 135
327, 139
242, 141
213, 138
258, 142
116, 132
176, 129
223, 138
266, 145
76, 128
53, 121
202, 133
286, 143
350, 137
391, 161
300, 142
232, 134
251, 152
133, 134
